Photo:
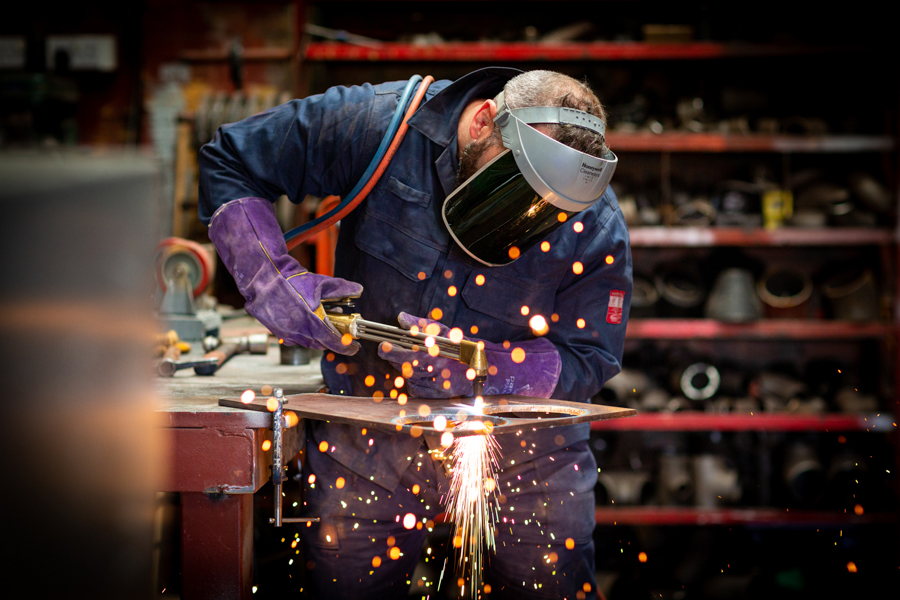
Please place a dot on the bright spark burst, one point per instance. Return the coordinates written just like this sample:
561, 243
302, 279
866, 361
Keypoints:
472, 500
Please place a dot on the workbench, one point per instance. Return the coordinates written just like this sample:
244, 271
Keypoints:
216, 463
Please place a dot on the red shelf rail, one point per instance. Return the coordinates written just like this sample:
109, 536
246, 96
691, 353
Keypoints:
692, 329
560, 51
681, 141
735, 236
671, 515
701, 421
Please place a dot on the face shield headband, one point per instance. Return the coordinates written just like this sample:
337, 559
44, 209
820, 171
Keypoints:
530, 189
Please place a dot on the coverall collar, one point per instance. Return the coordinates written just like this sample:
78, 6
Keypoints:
438, 118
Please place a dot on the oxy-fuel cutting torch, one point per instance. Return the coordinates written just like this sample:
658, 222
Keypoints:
467, 352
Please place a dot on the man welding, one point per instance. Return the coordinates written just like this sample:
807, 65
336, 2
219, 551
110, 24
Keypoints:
494, 210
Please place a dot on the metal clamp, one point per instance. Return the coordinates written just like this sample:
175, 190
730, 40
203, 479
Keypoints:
277, 466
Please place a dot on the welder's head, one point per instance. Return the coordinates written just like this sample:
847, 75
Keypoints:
545, 160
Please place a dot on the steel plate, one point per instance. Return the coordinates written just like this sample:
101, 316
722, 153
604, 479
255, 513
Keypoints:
501, 414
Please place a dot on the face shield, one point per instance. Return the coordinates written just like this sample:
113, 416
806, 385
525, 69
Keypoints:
530, 189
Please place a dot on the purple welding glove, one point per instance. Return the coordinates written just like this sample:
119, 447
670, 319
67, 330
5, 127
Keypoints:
534, 376
280, 293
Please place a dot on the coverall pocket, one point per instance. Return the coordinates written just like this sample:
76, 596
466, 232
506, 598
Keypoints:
413, 259
404, 192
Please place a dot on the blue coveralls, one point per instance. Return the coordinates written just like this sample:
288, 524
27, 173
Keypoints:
396, 245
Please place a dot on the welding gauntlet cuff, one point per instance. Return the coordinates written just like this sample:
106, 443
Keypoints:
280, 293
526, 368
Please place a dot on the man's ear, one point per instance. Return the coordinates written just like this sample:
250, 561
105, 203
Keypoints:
482, 124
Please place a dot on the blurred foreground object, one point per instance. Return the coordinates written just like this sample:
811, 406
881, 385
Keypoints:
78, 436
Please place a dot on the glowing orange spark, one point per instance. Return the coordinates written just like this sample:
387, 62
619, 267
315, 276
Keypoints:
446, 385
421, 275
290, 419
341, 368
473, 329
479, 279
415, 488
609, 259
401, 399
398, 382
248, 396
271, 404
376, 562
436, 314
580, 323
448, 274
562, 217
266, 445
642, 557
346, 339
394, 393
455, 335
434, 351
339, 484
545, 246
525, 310
266, 390
578, 226
446, 438
570, 543
470, 374
394, 553
424, 410
514, 252
370, 380
312, 478
409, 521
858, 509
440, 423
517, 355
538, 325
323, 446
577, 268
451, 291
851, 566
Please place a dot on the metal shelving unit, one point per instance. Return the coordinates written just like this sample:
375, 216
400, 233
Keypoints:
561, 51
726, 517
762, 421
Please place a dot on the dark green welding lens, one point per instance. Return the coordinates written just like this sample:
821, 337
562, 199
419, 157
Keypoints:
496, 211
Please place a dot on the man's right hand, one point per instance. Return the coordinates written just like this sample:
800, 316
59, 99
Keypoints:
280, 293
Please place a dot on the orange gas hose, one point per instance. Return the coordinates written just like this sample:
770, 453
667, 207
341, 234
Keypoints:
392, 149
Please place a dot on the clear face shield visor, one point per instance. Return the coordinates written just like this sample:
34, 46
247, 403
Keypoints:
530, 189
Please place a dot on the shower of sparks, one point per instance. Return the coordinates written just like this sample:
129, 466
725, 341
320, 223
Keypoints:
471, 503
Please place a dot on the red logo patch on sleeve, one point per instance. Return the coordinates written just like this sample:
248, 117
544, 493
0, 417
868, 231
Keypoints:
616, 303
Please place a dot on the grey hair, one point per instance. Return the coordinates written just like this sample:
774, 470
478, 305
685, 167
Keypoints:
548, 88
